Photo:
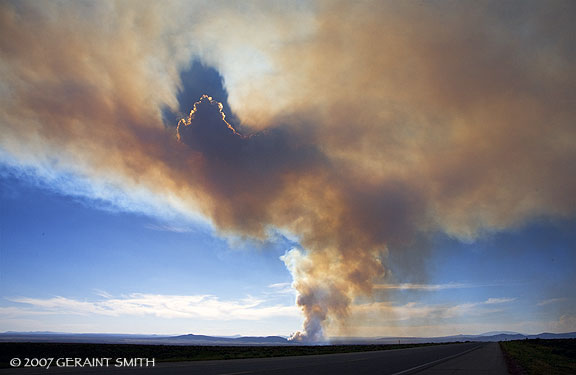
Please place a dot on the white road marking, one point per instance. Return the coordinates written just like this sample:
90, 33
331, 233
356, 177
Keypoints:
429, 364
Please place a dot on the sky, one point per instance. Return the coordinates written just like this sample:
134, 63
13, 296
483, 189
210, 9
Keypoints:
312, 169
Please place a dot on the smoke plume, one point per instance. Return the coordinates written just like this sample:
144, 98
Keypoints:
365, 127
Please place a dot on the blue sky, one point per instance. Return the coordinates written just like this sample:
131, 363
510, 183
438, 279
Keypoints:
309, 168
54, 245
57, 246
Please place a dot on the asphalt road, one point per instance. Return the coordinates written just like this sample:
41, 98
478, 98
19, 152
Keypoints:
467, 358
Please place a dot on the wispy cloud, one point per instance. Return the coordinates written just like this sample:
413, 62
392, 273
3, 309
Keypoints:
430, 287
170, 228
551, 300
164, 306
103, 194
17, 312
282, 288
565, 323
102, 293
492, 301
414, 310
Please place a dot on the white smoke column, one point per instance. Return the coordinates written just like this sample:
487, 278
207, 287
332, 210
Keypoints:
316, 296
324, 290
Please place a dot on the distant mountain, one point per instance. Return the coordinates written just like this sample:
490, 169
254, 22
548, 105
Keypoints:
478, 338
546, 335
264, 340
230, 337
191, 339
34, 333
501, 337
93, 338
211, 340
494, 333
105, 338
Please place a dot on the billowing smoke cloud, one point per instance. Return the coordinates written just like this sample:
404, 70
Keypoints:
276, 177
366, 126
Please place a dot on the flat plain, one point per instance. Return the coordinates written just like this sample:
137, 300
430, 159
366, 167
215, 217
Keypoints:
176, 353
554, 357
